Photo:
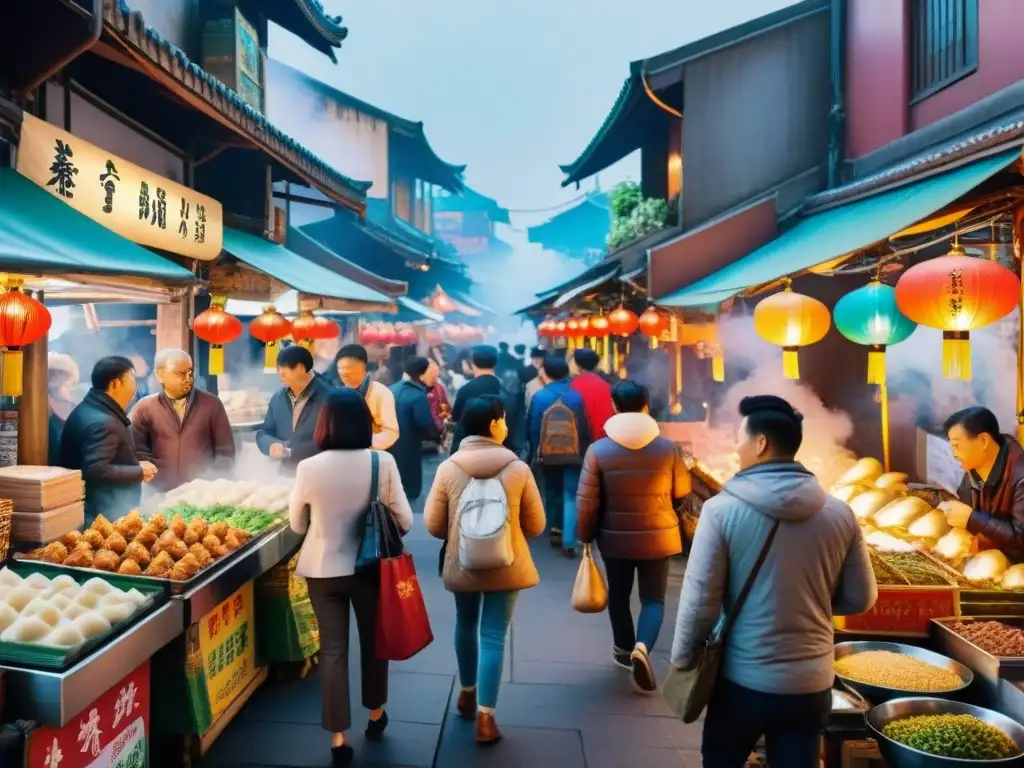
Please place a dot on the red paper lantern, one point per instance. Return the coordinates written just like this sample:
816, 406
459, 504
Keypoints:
369, 334
653, 323
572, 328
561, 326
386, 332
405, 335
622, 322
270, 327
434, 337
957, 294
23, 320
599, 327
303, 329
217, 327
324, 329
546, 329
452, 333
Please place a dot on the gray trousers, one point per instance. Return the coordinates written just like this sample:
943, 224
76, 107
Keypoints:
331, 599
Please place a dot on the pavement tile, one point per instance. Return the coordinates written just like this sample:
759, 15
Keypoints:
642, 731
519, 747
642, 757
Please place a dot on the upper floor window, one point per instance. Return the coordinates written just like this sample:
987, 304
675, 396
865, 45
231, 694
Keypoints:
943, 44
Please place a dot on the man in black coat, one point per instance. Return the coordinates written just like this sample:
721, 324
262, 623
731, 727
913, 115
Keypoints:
415, 423
483, 359
98, 440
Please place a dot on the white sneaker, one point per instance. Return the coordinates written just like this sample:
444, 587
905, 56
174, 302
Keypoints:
643, 674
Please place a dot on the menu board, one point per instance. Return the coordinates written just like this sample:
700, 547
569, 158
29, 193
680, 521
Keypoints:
941, 468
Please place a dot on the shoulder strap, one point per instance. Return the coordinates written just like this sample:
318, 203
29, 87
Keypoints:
741, 598
374, 476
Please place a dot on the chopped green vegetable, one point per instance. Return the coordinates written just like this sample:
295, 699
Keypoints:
254, 521
961, 736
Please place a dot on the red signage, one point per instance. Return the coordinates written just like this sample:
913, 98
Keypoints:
112, 732
905, 610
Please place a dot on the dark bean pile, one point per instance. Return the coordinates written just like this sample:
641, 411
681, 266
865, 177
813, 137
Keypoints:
993, 636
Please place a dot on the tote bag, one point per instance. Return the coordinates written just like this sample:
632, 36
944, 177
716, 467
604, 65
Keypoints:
688, 691
403, 626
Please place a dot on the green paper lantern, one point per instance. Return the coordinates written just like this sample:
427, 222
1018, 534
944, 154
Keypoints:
869, 316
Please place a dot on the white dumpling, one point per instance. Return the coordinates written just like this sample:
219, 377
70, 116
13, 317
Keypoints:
60, 602
62, 583
27, 629
97, 585
44, 610
91, 624
87, 599
9, 578
20, 597
37, 582
73, 611
136, 597
7, 617
116, 612
116, 597
64, 636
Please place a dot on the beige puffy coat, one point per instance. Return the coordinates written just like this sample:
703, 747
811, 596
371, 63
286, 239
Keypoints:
481, 458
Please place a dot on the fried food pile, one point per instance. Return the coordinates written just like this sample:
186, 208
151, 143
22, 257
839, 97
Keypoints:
134, 546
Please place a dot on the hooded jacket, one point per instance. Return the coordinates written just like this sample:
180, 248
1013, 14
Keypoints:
597, 400
818, 566
631, 485
481, 458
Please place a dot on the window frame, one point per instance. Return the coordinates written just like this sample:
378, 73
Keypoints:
971, 48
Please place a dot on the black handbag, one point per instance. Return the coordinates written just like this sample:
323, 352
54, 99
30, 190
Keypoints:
381, 536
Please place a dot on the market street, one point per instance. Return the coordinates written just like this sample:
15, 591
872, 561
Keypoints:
562, 703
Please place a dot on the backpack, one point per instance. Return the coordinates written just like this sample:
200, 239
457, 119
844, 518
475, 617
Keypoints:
559, 436
485, 534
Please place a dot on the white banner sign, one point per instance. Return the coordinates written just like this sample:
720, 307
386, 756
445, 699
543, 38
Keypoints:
137, 204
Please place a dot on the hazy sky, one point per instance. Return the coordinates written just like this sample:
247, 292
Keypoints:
512, 89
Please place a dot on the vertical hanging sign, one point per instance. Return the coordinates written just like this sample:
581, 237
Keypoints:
136, 203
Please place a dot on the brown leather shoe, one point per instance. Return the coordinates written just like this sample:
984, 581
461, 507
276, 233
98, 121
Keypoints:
467, 704
486, 729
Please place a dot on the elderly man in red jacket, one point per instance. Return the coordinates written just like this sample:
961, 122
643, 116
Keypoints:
183, 430
595, 391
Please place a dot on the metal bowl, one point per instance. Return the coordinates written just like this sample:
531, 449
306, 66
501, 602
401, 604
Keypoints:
877, 694
901, 756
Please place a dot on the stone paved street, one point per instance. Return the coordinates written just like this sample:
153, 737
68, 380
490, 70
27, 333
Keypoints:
563, 702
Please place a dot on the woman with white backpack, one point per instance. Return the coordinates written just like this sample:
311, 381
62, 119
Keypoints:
485, 504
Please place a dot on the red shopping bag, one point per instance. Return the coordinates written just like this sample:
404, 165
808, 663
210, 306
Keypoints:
403, 627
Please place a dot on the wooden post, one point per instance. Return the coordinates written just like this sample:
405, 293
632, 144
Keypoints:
33, 405
173, 326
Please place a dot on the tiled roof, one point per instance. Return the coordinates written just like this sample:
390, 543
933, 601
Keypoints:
130, 29
330, 28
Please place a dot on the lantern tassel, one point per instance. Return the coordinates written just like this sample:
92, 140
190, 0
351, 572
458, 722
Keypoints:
270, 357
718, 368
790, 363
10, 386
306, 343
956, 355
876, 365
216, 359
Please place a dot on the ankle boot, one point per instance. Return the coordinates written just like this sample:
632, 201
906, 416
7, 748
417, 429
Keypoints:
486, 728
466, 704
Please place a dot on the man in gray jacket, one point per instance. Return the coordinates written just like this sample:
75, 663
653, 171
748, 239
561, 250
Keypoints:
777, 672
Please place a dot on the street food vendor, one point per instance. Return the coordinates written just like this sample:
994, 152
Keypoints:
992, 490
183, 430
286, 434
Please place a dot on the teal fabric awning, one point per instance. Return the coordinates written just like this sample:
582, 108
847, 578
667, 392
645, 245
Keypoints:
40, 235
833, 233
301, 274
422, 311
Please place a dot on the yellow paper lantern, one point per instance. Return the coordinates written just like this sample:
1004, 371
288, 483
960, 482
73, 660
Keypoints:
791, 320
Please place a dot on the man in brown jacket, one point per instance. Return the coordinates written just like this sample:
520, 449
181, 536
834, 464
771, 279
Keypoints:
183, 430
632, 483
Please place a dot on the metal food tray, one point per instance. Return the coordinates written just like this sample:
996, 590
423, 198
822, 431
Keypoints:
171, 586
984, 664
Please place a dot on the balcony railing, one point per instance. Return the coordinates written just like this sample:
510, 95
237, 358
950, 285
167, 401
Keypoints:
943, 44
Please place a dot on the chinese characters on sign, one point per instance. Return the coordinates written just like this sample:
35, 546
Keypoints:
110, 733
901, 609
134, 202
226, 643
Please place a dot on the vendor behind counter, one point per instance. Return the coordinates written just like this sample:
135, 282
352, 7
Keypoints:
993, 485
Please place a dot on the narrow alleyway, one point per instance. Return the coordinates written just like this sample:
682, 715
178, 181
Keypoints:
563, 702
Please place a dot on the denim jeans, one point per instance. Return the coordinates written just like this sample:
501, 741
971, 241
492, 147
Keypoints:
560, 484
791, 725
652, 582
481, 626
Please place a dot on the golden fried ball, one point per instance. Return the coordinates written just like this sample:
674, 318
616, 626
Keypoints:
105, 560
201, 554
191, 536
146, 536
130, 568
116, 543
231, 541
138, 553
242, 536
163, 560
80, 557
178, 525
71, 538
95, 539
159, 522
55, 552
220, 530
177, 549
200, 526
102, 525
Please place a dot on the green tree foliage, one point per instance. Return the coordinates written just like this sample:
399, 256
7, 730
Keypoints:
633, 215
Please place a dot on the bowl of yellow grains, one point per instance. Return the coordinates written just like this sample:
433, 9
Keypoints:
925, 732
883, 671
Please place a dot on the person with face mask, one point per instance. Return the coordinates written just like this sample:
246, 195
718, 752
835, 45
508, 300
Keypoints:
485, 597
809, 562
992, 490
98, 440
351, 364
183, 430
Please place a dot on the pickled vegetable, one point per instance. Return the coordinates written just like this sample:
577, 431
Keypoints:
992, 636
897, 670
959, 736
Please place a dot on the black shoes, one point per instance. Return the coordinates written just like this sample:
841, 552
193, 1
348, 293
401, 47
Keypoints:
375, 728
622, 658
555, 537
342, 757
